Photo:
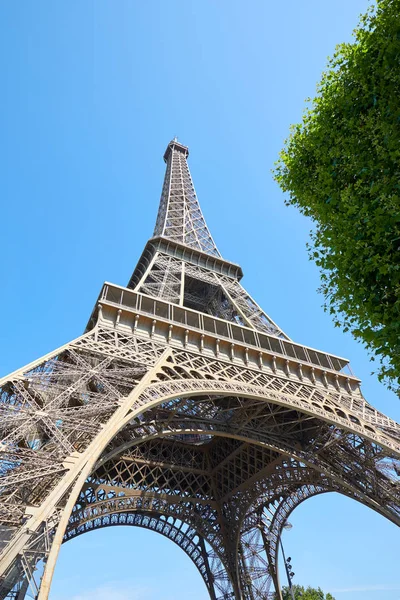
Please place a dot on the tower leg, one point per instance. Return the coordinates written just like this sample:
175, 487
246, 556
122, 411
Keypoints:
211, 588
99, 443
256, 576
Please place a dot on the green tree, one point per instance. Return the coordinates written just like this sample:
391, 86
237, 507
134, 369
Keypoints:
302, 593
341, 167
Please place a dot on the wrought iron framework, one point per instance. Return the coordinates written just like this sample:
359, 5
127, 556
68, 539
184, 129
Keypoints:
184, 409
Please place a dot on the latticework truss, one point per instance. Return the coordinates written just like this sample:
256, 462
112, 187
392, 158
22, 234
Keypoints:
179, 216
185, 410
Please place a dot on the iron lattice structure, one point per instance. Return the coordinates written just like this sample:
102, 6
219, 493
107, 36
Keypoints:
184, 409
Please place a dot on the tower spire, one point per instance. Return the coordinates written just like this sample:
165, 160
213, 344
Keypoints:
179, 215
181, 263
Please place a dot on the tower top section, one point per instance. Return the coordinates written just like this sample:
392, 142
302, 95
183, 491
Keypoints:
175, 146
179, 216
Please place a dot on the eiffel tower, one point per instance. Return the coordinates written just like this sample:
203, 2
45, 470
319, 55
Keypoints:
183, 409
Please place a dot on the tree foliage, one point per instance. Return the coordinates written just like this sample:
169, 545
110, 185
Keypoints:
341, 167
301, 593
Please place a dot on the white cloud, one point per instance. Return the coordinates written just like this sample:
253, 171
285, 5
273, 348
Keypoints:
367, 588
114, 592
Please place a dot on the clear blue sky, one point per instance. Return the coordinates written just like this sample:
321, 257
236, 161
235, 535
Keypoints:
91, 94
